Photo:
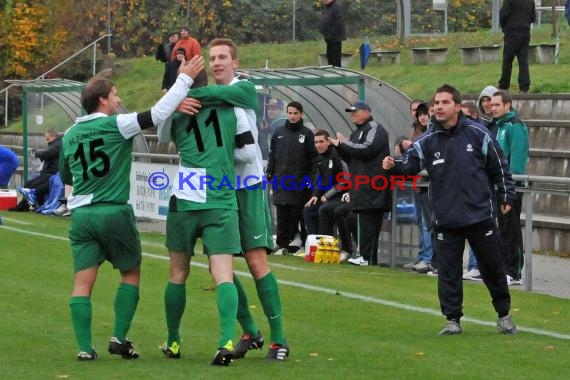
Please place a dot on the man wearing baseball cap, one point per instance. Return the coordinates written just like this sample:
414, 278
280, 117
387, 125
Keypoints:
364, 151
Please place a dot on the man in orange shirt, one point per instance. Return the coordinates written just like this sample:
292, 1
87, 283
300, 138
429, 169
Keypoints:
190, 44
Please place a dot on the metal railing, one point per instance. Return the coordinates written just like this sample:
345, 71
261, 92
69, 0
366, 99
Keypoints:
529, 181
42, 76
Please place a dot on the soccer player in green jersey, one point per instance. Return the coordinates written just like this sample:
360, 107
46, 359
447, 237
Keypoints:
254, 221
206, 208
96, 160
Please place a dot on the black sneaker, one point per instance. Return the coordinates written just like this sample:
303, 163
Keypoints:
246, 343
83, 356
125, 349
172, 351
223, 357
277, 352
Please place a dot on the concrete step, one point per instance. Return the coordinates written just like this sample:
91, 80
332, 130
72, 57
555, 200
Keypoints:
549, 134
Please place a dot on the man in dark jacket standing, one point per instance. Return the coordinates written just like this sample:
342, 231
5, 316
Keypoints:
515, 18
291, 155
464, 163
333, 30
363, 151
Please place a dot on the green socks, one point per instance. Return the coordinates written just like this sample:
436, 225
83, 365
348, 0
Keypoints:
126, 301
174, 304
227, 301
81, 314
243, 313
268, 293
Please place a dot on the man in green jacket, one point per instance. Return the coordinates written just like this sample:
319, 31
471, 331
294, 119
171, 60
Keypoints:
512, 135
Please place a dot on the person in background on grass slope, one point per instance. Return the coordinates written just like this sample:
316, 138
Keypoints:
9, 162
464, 163
363, 152
207, 142
333, 30
96, 161
171, 72
254, 220
515, 18
512, 135
164, 50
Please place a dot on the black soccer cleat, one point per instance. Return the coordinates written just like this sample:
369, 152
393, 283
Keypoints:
246, 343
223, 357
125, 349
277, 352
172, 351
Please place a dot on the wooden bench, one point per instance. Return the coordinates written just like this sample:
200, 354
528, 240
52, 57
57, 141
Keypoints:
345, 59
429, 56
472, 55
387, 57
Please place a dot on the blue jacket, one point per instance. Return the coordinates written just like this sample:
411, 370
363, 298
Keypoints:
464, 164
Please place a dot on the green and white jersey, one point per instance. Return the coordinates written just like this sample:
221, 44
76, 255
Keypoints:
96, 152
205, 143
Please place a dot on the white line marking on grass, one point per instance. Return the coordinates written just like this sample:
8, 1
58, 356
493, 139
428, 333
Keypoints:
320, 289
34, 233
11, 220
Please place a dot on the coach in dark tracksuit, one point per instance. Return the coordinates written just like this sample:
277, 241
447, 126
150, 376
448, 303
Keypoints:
464, 163
515, 18
363, 152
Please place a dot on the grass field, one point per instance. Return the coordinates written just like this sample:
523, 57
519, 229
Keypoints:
341, 321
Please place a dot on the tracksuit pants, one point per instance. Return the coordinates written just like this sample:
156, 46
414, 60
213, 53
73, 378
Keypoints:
512, 245
449, 246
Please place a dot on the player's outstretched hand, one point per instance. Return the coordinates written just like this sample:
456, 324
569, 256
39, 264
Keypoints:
192, 67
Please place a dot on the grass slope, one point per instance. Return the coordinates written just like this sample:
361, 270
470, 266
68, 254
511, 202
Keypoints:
140, 86
341, 321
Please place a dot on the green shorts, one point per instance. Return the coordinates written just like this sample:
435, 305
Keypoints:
254, 219
102, 232
218, 229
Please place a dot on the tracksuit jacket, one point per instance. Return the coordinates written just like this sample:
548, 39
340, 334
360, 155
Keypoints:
464, 164
291, 154
363, 152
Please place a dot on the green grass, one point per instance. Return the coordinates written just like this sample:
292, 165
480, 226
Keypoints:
332, 334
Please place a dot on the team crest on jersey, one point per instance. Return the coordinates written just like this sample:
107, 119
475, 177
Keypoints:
437, 154
301, 139
469, 148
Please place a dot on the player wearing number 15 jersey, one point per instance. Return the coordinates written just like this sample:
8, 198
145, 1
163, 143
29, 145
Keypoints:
96, 160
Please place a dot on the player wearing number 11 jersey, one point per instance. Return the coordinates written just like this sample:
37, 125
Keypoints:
96, 160
204, 203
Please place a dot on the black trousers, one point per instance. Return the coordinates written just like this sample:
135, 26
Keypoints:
334, 212
41, 184
515, 45
449, 245
512, 243
334, 53
289, 217
369, 225
311, 216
